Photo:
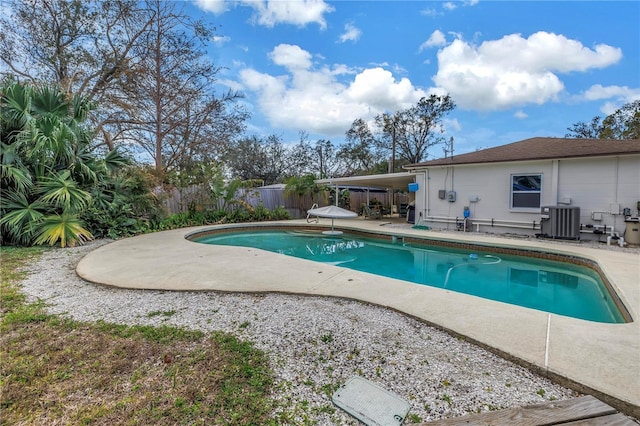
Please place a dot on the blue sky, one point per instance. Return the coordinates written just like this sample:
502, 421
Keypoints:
515, 69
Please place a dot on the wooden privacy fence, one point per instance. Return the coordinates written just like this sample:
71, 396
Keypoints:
177, 200
200, 197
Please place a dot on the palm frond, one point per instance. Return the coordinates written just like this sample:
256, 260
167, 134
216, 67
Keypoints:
17, 176
62, 191
15, 105
65, 228
81, 108
114, 160
49, 100
20, 217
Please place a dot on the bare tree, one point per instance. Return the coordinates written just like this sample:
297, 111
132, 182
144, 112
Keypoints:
174, 111
83, 47
300, 158
254, 158
582, 130
142, 62
360, 153
326, 158
413, 131
320, 158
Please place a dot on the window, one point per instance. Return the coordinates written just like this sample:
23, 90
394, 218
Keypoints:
525, 191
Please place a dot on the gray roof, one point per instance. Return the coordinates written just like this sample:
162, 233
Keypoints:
540, 149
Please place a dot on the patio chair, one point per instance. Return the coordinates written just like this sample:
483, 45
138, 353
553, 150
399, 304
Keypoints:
368, 211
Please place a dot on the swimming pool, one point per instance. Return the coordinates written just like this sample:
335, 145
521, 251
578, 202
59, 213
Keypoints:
552, 286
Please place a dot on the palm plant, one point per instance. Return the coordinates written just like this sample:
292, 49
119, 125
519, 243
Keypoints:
45, 165
65, 228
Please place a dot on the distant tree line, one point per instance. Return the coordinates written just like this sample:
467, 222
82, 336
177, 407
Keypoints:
384, 145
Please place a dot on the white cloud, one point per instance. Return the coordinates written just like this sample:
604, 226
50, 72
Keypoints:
454, 5
448, 7
378, 88
429, 12
296, 12
340, 69
513, 70
451, 125
316, 100
269, 86
597, 92
221, 39
273, 12
617, 96
215, 6
291, 57
520, 114
609, 108
351, 33
436, 39
231, 84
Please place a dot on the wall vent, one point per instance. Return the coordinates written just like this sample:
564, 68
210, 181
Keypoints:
561, 222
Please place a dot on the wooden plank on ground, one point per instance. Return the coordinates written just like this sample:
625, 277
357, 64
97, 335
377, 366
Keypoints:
612, 420
550, 413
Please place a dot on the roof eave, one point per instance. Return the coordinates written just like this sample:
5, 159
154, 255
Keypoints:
438, 163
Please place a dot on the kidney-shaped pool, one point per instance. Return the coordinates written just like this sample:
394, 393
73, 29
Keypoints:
548, 285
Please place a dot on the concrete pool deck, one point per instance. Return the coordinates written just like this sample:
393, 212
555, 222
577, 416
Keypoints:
597, 358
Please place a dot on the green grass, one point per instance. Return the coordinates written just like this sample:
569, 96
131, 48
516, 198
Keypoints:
58, 371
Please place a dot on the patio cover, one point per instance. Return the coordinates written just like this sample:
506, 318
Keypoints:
388, 180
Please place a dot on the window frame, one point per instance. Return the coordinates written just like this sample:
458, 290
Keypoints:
527, 209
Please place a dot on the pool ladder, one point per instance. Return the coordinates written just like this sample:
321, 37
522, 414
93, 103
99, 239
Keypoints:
314, 206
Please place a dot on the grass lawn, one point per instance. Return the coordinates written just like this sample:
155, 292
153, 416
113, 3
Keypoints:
57, 371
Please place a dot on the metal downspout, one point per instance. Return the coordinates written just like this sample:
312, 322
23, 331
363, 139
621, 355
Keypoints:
555, 181
427, 194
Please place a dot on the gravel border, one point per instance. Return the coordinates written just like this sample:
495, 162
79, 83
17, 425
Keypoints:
314, 343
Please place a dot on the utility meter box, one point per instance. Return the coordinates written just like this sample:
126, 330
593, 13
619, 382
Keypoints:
451, 196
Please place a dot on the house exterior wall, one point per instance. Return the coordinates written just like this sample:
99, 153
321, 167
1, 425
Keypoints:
604, 186
593, 184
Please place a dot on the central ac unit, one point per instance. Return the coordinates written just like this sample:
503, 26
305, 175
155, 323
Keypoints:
560, 222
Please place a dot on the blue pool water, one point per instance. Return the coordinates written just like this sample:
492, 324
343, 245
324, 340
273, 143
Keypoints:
551, 286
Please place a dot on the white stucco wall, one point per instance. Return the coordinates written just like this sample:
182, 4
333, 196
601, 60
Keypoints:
601, 185
594, 185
